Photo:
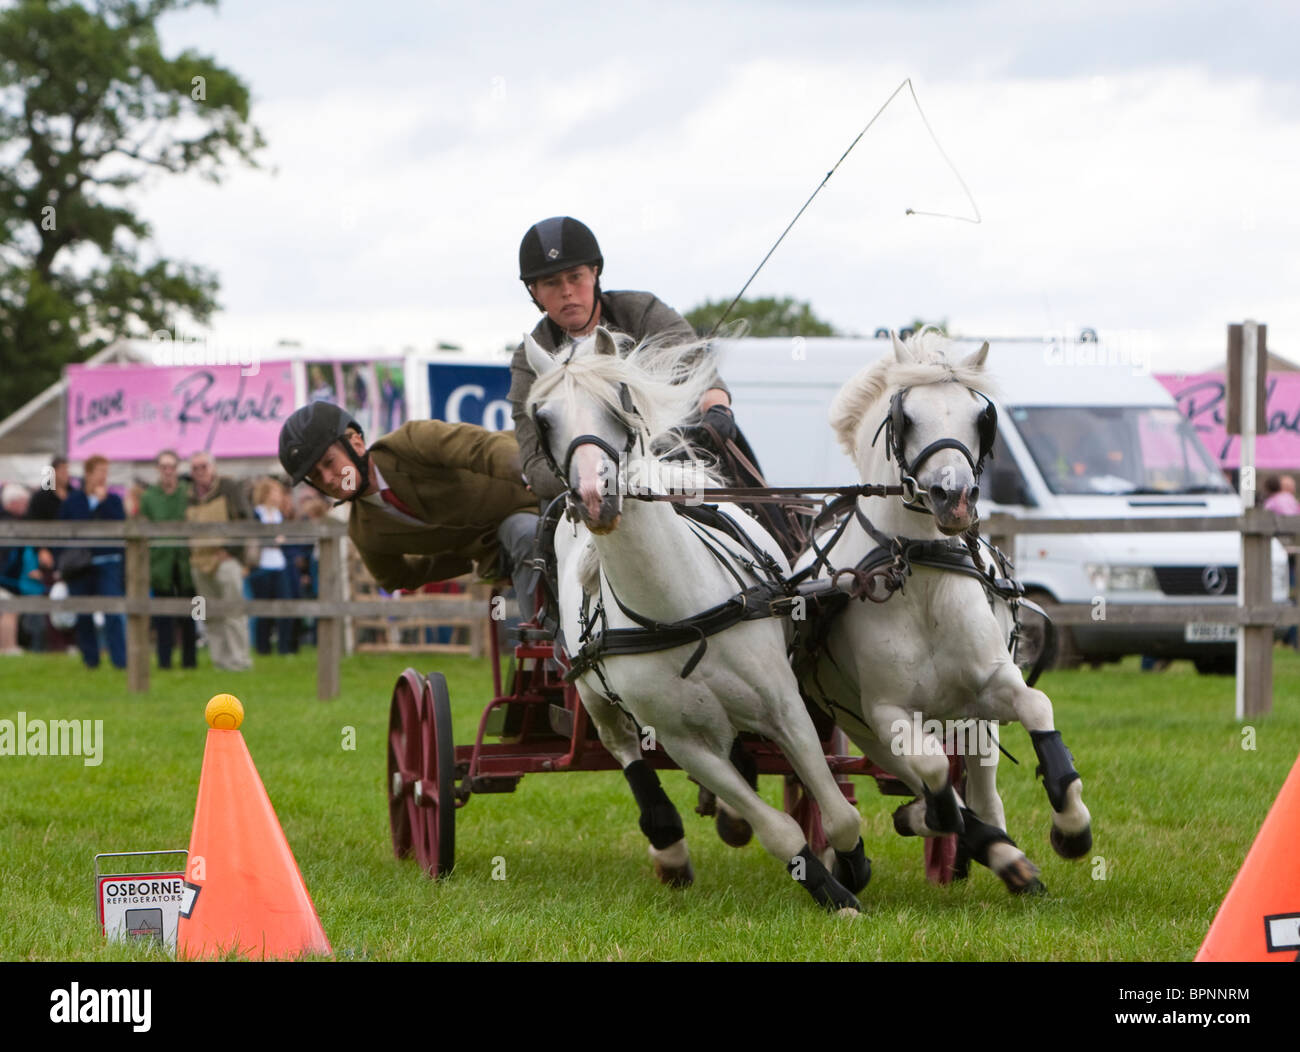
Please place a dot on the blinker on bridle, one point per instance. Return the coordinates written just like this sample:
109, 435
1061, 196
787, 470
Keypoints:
895, 427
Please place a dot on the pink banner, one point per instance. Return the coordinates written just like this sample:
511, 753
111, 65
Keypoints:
132, 412
1201, 399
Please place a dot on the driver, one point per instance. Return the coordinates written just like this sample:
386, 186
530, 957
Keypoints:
560, 264
430, 501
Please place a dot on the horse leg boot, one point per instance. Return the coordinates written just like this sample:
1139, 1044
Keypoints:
659, 819
662, 826
732, 829
1064, 790
1007, 697
986, 840
991, 847
776, 831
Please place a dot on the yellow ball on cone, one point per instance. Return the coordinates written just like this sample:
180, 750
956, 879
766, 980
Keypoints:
224, 712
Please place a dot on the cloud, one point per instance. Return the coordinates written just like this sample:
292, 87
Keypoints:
1132, 191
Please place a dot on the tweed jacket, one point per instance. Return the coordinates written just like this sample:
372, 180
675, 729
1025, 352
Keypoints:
639, 315
461, 481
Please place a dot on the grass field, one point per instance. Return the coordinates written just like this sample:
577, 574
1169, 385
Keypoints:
1176, 802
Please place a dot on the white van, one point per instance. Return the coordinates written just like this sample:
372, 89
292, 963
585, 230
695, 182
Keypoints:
1083, 432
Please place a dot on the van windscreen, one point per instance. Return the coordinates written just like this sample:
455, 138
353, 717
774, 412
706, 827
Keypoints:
1117, 449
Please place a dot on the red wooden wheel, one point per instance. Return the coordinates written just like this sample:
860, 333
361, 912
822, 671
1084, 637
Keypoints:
433, 819
404, 757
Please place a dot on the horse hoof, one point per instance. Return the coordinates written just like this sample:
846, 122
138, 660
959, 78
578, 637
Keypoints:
835, 897
852, 868
1021, 878
902, 821
675, 876
735, 832
1071, 845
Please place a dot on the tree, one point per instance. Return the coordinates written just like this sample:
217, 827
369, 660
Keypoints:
766, 317
90, 108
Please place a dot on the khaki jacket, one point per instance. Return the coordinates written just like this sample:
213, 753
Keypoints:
462, 481
226, 501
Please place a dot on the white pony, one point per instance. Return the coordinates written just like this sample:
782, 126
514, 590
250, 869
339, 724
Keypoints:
936, 649
625, 563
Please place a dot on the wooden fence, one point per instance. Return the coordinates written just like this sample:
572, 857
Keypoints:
330, 608
1255, 613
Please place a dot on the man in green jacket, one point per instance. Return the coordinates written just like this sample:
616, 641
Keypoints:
169, 568
430, 501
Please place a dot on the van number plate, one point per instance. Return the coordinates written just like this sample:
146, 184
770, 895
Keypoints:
1209, 632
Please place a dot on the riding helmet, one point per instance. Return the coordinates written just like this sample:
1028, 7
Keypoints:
554, 245
308, 433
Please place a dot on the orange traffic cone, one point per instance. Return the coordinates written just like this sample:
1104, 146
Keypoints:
1260, 916
245, 892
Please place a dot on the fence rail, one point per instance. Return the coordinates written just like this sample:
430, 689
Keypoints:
1254, 611
137, 536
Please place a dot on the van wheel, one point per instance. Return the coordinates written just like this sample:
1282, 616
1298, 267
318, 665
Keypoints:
1217, 666
1067, 654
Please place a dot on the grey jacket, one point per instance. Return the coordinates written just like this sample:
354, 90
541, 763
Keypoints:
637, 314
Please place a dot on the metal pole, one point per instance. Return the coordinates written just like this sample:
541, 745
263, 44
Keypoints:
1254, 579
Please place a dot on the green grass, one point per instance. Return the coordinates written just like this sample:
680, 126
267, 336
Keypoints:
1176, 803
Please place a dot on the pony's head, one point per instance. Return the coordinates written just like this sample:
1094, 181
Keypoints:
598, 411
931, 415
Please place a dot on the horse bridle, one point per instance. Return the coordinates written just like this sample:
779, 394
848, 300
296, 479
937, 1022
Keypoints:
617, 456
895, 427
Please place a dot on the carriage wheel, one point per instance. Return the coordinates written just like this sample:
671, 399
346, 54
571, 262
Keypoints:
404, 757
434, 819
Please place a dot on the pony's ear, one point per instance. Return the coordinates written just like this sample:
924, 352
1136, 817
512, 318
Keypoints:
976, 360
605, 341
900, 349
541, 362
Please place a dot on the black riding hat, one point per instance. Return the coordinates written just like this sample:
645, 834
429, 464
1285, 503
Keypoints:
309, 432
554, 245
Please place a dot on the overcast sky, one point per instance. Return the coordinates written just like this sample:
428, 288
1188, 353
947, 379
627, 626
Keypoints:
1136, 164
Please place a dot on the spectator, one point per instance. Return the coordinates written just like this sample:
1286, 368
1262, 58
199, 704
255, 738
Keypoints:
1281, 498
46, 504
297, 557
104, 575
271, 578
48, 500
14, 566
169, 568
313, 507
218, 570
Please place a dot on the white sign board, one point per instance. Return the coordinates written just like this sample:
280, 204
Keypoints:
141, 905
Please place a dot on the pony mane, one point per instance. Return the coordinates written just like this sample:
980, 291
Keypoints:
933, 361
666, 382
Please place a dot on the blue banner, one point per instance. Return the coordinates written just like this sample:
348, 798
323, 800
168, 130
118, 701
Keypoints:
471, 394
